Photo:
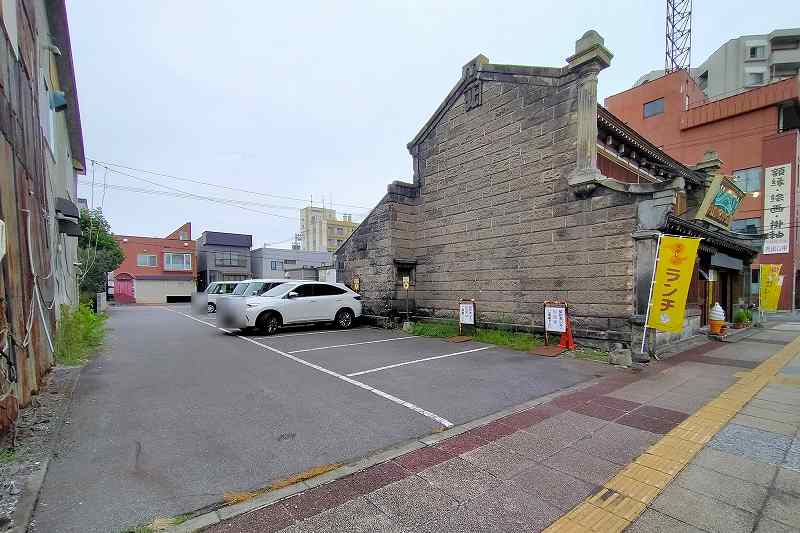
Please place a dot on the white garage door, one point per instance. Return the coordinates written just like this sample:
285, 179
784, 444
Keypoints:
151, 291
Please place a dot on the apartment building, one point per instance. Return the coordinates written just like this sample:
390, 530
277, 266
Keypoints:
745, 62
322, 231
156, 269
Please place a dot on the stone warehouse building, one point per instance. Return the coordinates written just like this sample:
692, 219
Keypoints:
526, 190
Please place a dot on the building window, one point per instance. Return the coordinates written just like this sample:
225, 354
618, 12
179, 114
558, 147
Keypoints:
183, 236
748, 179
273, 265
755, 276
785, 45
754, 78
230, 259
757, 52
290, 261
177, 261
747, 225
406, 269
702, 80
339, 231
146, 260
656, 107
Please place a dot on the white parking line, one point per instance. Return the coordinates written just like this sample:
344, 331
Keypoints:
355, 344
371, 370
395, 399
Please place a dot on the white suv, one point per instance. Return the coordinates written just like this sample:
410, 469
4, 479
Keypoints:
294, 302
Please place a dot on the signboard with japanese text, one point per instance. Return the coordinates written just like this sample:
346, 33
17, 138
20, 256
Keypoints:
555, 318
720, 202
777, 207
769, 286
466, 313
673, 275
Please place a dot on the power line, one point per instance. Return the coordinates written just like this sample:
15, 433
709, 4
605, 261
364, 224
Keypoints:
173, 194
210, 184
183, 194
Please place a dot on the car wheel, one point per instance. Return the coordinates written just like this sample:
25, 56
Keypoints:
269, 323
345, 319
211, 308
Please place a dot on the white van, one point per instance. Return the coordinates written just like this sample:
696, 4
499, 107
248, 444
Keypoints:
216, 289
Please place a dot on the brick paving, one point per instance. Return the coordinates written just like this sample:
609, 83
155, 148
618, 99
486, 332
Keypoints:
526, 470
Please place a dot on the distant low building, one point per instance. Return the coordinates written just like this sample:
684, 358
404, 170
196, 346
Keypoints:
322, 231
156, 269
222, 257
280, 263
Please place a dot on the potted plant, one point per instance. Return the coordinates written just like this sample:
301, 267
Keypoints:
741, 319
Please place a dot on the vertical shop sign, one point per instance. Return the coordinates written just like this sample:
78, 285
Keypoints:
777, 207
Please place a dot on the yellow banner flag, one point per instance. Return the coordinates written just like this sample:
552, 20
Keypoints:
674, 269
769, 287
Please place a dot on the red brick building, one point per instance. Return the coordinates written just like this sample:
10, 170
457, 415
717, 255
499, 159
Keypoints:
155, 269
752, 133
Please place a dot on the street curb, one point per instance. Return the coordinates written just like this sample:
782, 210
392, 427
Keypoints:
225, 513
26, 505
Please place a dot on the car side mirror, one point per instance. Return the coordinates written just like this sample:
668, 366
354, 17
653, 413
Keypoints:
292, 294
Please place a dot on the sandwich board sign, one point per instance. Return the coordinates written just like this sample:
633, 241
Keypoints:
466, 312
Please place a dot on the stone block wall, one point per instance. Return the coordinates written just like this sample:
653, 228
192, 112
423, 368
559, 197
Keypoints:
492, 216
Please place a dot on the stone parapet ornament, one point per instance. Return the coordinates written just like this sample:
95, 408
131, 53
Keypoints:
591, 56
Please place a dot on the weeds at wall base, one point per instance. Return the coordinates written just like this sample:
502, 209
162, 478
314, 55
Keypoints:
510, 339
80, 333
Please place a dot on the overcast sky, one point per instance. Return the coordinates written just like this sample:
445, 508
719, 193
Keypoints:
295, 99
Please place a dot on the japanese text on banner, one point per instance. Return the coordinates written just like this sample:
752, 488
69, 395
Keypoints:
769, 287
777, 207
674, 269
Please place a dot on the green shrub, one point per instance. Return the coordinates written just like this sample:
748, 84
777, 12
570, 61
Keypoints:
741, 316
80, 333
437, 329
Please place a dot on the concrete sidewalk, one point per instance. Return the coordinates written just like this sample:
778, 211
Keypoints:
593, 460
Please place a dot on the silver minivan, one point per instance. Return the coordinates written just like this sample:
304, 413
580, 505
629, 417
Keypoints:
216, 289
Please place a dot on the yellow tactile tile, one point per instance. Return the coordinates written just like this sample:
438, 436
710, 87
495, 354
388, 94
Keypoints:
699, 423
597, 519
676, 449
698, 436
662, 464
624, 497
786, 380
645, 474
564, 525
632, 488
617, 503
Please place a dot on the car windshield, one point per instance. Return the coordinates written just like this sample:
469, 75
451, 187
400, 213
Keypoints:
240, 288
278, 290
260, 288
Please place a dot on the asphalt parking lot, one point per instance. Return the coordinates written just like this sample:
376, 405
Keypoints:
175, 412
458, 382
